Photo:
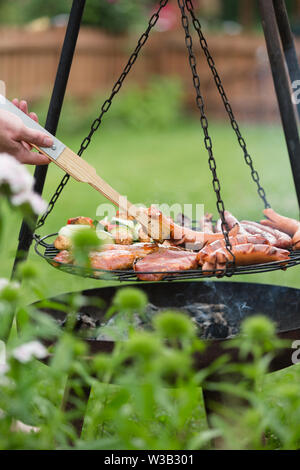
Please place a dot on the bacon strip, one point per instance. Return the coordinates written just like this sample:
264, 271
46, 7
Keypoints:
112, 260
162, 261
140, 250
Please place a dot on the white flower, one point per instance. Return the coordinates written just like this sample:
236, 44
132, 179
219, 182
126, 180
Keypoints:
16, 177
34, 200
14, 174
4, 367
2, 353
28, 351
5, 282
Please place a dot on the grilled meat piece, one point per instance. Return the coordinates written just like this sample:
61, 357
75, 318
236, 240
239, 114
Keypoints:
122, 235
282, 239
164, 260
62, 243
238, 240
231, 223
80, 221
257, 231
284, 224
112, 260
143, 237
183, 221
63, 257
206, 223
162, 228
140, 250
246, 254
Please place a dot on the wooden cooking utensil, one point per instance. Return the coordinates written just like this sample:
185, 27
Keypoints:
82, 171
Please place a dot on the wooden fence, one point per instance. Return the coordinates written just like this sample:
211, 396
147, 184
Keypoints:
28, 62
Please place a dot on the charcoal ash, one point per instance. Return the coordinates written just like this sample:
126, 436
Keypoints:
83, 322
214, 326
138, 322
212, 321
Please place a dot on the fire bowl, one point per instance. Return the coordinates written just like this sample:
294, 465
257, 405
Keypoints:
239, 300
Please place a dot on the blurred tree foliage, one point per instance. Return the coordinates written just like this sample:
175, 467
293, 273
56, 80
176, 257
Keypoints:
116, 16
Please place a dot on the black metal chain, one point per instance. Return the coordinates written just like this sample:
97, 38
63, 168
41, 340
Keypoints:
234, 124
204, 125
105, 107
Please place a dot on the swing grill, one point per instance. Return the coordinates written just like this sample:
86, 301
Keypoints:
47, 250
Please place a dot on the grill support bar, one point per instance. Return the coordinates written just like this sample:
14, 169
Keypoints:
54, 110
280, 76
287, 41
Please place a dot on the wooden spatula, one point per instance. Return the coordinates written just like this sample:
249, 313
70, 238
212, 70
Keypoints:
82, 171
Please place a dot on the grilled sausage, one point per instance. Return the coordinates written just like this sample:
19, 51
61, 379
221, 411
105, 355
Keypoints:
282, 239
284, 224
257, 231
206, 223
238, 240
296, 240
248, 254
164, 228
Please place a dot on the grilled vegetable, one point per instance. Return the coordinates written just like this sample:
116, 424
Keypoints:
122, 235
105, 237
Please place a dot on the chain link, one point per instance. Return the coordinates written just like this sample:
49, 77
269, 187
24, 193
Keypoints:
105, 107
204, 125
234, 124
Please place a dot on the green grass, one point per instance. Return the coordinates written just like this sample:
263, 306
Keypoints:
168, 167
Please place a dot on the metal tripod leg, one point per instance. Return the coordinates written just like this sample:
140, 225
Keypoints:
287, 41
282, 88
55, 106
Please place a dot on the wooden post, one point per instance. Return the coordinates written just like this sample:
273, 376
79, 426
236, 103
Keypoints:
297, 9
246, 14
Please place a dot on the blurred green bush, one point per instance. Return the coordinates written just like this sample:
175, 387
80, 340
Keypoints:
160, 105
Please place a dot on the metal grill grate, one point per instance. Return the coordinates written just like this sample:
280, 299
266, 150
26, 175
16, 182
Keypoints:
48, 252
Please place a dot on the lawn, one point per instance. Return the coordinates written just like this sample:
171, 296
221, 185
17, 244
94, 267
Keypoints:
168, 166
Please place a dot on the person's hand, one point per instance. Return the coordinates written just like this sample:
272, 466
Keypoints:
14, 137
